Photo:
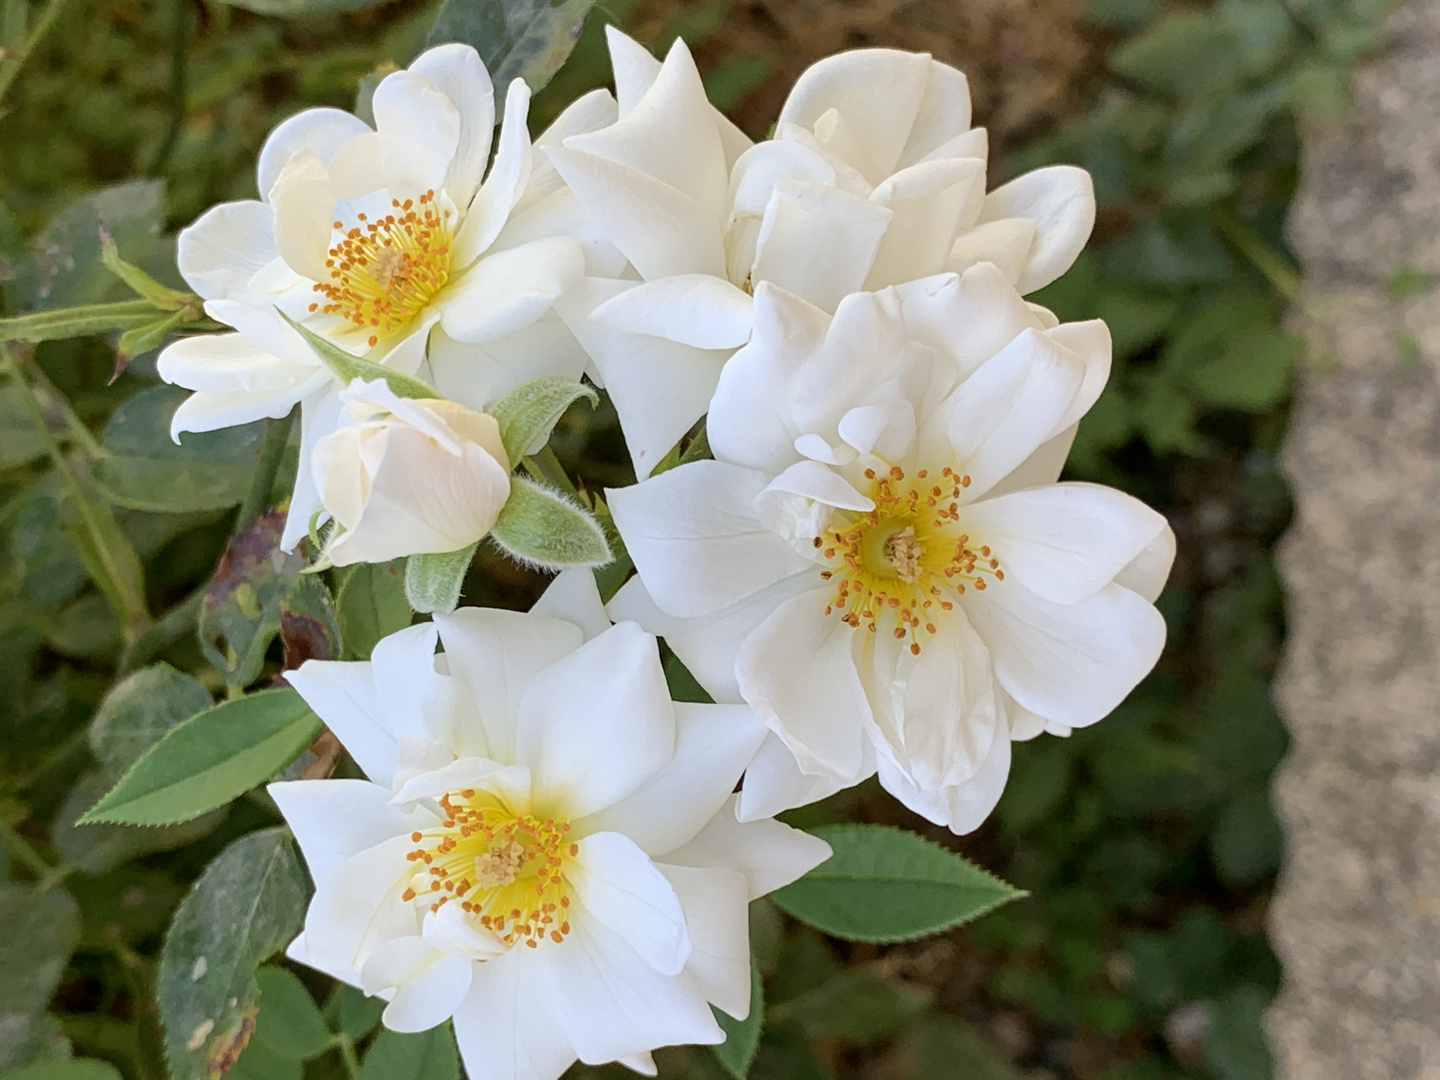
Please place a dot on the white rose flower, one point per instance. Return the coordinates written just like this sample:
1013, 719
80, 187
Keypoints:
385, 241
874, 178
546, 848
408, 477
879, 559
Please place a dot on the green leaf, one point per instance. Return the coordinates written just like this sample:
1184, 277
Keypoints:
858, 1004
259, 1062
1234, 1041
288, 1022
147, 470
96, 849
885, 884
742, 1037
371, 605
1186, 54
944, 1048
352, 1013
528, 39
247, 905
42, 927
139, 711
67, 1069
428, 1055
348, 367
1247, 843
162, 296
1252, 374
433, 582
20, 440
210, 759
784, 1055
527, 413
540, 527
240, 613
65, 270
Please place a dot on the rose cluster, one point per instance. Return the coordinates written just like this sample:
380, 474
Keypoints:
865, 556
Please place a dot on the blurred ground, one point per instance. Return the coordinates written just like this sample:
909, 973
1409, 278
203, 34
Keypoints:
1357, 916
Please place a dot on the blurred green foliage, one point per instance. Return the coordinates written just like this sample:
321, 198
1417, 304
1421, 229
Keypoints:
1147, 843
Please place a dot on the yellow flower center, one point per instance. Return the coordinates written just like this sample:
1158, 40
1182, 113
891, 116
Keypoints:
383, 272
505, 870
894, 566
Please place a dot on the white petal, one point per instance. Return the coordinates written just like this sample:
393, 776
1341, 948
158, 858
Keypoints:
1006, 243
597, 723
709, 644
225, 247
659, 388
453, 931
418, 701
319, 415
969, 317
693, 309
589, 112
458, 72
506, 182
751, 419
208, 411
230, 363
1064, 542
506, 1026
877, 91
774, 783
944, 115
715, 900
818, 242
960, 807
1042, 467
634, 69
769, 853
303, 203
670, 135
335, 819
1147, 572
1068, 662
495, 654
1060, 200
713, 744
358, 167
1090, 341
811, 480
617, 884
419, 130
343, 695
358, 907
611, 1003
574, 596
696, 538
662, 231
507, 291
796, 671
926, 202
476, 374
1010, 406
643, 1063
320, 131
428, 984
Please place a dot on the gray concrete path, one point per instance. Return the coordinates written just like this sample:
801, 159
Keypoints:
1357, 917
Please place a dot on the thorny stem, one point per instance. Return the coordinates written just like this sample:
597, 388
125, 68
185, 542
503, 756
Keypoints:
12, 65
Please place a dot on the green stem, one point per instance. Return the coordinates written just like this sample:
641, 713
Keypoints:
23, 850
130, 602
12, 66
52, 401
555, 472
272, 450
1283, 277
163, 632
346, 1046
179, 34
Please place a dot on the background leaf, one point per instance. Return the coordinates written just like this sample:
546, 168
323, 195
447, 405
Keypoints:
528, 413
884, 884
370, 605
210, 759
245, 907
41, 929
139, 711
742, 1037
288, 1022
429, 1055
524, 39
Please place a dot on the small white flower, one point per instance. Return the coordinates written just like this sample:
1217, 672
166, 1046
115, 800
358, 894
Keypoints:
874, 178
880, 560
408, 477
546, 848
387, 243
